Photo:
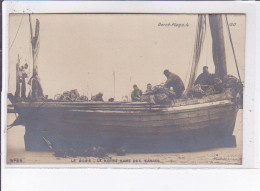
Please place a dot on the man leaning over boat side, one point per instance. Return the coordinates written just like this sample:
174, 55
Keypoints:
175, 82
136, 94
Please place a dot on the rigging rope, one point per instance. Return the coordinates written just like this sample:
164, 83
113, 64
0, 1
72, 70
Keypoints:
187, 70
230, 38
207, 47
199, 40
16, 32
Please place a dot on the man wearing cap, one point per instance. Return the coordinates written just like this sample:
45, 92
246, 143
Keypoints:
136, 94
175, 82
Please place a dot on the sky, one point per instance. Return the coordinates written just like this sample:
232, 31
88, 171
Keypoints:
83, 51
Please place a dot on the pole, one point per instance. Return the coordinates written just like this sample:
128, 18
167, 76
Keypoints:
18, 89
31, 32
218, 44
114, 75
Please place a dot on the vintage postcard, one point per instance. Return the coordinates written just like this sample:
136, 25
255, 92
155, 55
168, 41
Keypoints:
128, 89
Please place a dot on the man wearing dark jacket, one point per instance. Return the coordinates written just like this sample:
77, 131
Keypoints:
136, 94
174, 81
205, 78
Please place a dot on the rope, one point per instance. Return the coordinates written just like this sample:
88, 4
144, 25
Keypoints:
230, 38
9, 127
35, 110
16, 117
48, 142
207, 48
16, 32
199, 41
187, 70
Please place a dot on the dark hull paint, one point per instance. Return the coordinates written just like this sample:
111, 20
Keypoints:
111, 125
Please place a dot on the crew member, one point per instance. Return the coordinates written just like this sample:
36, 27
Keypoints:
209, 83
149, 89
24, 74
136, 94
148, 95
205, 78
175, 82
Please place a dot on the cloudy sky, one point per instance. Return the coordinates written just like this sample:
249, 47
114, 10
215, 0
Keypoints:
82, 51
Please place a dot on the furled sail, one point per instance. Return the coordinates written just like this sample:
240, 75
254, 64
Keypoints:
36, 91
35, 46
218, 46
200, 36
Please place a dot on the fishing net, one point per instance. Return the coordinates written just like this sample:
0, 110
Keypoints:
159, 95
218, 86
70, 96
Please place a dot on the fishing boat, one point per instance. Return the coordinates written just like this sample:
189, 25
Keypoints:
131, 124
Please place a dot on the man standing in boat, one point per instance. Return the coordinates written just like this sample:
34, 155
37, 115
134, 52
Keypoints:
24, 74
136, 94
175, 82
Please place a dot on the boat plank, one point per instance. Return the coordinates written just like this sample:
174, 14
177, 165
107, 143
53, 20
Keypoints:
123, 117
219, 122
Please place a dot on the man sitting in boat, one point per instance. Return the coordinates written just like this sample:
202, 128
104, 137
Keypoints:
148, 95
98, 97
175, 82
206, 84
205, 78
136, 94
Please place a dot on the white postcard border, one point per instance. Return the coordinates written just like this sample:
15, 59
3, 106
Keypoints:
250, 93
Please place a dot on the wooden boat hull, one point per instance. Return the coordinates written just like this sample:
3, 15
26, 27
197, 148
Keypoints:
111, 125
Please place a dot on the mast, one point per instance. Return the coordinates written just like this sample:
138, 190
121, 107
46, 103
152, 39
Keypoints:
218, 44
18, 89
35, 44
36, 90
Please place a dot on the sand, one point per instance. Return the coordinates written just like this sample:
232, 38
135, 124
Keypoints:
17, 155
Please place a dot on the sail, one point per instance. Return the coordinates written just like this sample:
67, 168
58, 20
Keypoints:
218, 46
36, 91
200, 36
35, 46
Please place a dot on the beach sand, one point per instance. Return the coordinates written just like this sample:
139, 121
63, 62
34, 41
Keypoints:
17, 155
